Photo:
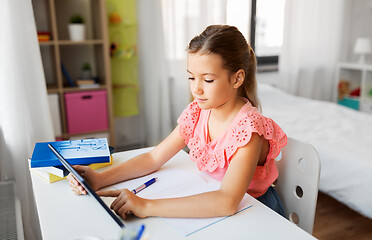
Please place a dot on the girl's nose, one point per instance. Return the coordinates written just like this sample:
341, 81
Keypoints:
198, 89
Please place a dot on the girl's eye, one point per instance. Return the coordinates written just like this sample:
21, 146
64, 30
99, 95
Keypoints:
208, 81
191, 78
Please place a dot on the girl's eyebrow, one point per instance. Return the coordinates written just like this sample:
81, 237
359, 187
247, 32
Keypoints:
203, 73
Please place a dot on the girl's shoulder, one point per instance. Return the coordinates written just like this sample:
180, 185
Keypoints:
248, 121
188, 120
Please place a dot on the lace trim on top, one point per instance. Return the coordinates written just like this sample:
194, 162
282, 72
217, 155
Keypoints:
266, 127
247, 121
205, 157
188, 120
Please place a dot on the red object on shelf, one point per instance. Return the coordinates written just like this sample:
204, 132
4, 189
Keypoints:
86, 111
355, 92
43, 33
43, 36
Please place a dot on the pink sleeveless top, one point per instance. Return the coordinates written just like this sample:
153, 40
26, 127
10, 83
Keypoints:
214, 156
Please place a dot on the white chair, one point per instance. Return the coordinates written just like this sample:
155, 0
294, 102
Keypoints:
297, 184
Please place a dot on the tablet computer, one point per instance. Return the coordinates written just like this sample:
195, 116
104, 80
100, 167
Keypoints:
86, 186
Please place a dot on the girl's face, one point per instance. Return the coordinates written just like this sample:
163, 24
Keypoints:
211, 85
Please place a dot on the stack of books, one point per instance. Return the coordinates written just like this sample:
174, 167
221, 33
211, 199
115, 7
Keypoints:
87, 83
43, 36
92, 152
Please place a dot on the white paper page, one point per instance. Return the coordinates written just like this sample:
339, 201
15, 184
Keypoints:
170, 182
174, 183
188, 226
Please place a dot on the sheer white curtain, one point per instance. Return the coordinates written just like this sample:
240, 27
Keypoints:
24, 113
165, 28
154, 87
312, 43
183, 20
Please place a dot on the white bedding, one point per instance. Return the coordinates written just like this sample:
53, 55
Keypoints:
342, 137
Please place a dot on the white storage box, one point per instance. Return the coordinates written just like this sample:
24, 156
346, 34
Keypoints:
55, 111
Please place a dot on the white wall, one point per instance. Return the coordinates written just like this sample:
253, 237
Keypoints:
360, 26
358, 14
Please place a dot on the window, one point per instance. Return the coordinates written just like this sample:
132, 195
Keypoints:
266, 36
237, 14
260, 21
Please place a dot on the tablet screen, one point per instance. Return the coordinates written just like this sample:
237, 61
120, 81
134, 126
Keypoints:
85, 185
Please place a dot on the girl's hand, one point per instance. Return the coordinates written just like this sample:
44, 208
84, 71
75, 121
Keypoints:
126, 202
88, 174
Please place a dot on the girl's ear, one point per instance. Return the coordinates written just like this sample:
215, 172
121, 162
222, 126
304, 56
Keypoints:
239, 78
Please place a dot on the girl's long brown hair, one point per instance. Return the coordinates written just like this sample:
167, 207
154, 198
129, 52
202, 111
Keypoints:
230, 44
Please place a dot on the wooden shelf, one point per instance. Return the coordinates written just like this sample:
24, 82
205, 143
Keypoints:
45, 43
77, 89
85, 42
53, 90
52, 16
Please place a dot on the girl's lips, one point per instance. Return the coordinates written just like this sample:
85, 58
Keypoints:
201, 100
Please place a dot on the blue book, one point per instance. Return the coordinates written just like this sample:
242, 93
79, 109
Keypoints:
76, 152
67, 76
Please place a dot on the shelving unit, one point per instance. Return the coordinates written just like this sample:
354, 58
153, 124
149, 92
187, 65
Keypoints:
53, 16
357, 76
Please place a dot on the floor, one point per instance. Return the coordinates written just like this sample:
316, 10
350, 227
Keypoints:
334, 220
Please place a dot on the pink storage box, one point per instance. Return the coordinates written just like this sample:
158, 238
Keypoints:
86, 111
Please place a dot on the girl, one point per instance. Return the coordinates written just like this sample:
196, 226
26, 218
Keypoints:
226, 134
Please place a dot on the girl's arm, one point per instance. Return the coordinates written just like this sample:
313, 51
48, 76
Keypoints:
222, 202
136, 167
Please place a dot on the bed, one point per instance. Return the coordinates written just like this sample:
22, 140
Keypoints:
342, 137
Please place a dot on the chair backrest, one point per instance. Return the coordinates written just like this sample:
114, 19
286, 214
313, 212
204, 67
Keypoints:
297, 184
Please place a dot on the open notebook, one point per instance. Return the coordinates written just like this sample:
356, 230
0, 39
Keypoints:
172, 183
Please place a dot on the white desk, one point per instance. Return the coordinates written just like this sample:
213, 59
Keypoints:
64, 215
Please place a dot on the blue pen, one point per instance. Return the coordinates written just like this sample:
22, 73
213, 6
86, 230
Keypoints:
140, 232
145, 185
